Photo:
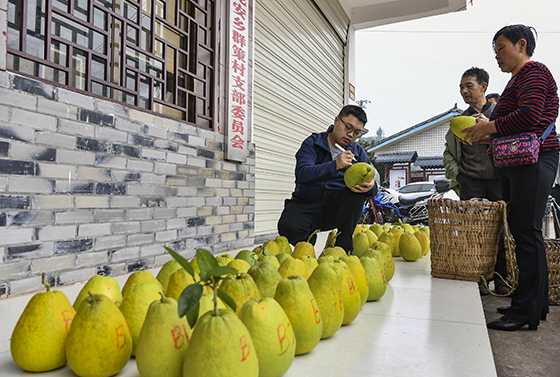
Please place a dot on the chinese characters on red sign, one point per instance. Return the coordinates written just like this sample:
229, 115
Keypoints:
238, 87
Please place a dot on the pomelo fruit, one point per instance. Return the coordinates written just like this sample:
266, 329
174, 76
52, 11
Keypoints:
358, 173
459, 123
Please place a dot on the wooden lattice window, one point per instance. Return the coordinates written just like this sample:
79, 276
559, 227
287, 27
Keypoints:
156, 55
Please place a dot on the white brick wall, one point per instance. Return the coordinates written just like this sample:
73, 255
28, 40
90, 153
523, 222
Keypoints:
86, 198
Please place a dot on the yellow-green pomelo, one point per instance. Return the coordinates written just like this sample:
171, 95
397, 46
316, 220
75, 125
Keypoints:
273, 246
267, 248
248, 256
326, 258
357, 230
410, 247
283, 244
98, 284
293, 266
266, 277
304, 248
194, 264
352, 301
358, 173
165, 272
140, 277
163, 340
386, 227
360, 278
224, 259
389, 264
378, 255
331, 238
241, 288
326, 285
388, 238
220, 346
282, 257
206, 304
397, 232
423, 239
99, 340
295, 297
459, 123
377, 229
361, 244
178, 281
376, 279
38, 342
371, 236
135, 304
336, 252
270, 259
426, 230
408, 227
364, 227
240, 265
311, 264
272, 335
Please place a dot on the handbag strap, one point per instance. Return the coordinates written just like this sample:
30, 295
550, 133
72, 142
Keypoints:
546, 132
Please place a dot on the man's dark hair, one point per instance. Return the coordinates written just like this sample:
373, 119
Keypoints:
516, 32
496, 96
480, 74
357, 111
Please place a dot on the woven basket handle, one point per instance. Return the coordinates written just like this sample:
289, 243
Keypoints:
508, 244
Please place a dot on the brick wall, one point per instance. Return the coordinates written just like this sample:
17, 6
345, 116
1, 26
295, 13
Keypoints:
92, 187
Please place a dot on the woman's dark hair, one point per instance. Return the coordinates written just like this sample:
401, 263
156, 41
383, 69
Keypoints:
516, 32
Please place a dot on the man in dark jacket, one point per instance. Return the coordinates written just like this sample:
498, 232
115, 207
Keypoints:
321, 199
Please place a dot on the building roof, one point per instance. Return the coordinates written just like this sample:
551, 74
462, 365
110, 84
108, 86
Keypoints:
420, 127
396, 157
429, 162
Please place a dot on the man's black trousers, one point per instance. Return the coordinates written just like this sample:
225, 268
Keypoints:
342, 211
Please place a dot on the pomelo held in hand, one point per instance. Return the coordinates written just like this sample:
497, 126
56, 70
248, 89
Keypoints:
459, 123
358, 173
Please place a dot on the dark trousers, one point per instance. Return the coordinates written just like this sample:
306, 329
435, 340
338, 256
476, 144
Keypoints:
487, 189
342, 211
527, 189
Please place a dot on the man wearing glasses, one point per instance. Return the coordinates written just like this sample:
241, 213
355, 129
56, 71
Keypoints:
321, 200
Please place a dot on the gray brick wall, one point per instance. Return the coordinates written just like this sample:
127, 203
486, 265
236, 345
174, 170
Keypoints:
89, 186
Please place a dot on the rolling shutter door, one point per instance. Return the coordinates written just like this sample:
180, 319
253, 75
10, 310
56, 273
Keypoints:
298, 89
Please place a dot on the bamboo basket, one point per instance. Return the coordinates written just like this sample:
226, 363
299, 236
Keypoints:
464, 237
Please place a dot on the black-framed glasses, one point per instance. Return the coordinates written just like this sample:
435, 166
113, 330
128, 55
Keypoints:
349, 129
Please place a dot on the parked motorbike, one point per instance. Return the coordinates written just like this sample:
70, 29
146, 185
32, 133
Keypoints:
388, 206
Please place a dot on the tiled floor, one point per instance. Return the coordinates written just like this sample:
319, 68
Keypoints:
423, 326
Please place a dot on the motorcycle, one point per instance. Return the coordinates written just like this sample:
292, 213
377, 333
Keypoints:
382, 208
388, 206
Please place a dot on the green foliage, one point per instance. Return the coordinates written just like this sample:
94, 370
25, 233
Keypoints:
210, 274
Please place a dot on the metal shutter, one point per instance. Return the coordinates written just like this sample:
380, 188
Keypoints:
298, 89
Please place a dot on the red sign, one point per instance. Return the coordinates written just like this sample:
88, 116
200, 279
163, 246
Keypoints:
238, 83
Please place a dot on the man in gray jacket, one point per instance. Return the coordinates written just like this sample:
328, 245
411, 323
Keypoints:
468, 166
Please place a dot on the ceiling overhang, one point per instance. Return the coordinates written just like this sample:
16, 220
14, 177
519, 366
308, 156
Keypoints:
369, 13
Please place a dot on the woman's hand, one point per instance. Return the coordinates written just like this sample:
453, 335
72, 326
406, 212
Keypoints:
481, 131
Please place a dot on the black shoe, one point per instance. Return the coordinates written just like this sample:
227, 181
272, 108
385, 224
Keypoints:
501, 288
503, 309
482, 289
506, 323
